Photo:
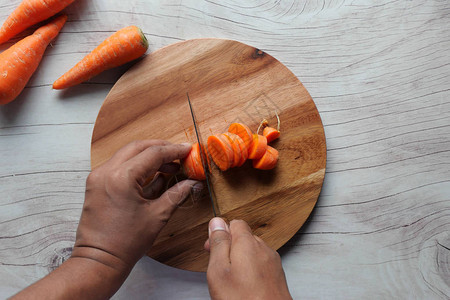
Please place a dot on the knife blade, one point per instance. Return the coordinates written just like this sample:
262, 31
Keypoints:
204, 161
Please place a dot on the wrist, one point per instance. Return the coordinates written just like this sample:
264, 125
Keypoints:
101, 259
89, 273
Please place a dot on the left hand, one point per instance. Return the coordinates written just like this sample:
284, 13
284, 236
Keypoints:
121, 217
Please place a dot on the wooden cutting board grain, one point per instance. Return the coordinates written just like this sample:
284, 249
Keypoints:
227, 82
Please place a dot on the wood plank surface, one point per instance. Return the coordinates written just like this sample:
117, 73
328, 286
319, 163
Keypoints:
379, 74
228, 82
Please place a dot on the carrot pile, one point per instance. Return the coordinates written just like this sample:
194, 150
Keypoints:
20, 61
233, 148
28, 13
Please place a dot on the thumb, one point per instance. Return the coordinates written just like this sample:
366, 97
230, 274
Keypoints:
173, 197
219, 244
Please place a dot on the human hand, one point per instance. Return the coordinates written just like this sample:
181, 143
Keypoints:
241, 265
121, 217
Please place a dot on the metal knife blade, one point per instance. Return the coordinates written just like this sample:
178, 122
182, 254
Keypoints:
204, 161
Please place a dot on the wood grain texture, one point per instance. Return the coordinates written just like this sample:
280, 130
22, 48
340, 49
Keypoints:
228, 82
378, 72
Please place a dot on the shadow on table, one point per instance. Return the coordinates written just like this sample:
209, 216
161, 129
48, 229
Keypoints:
153, 280
103, 81
12, 110
298, 236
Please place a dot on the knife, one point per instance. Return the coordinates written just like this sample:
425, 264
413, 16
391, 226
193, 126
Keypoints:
204, 161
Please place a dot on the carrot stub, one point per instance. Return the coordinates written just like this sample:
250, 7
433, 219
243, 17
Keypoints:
271, 134
19, 62
221, 151
192, 164
268, 160
258, 147
242, 131
123, 46
30, 12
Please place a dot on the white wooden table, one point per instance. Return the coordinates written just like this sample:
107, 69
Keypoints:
379, 72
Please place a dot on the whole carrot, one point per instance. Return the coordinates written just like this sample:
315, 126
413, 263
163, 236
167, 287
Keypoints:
30, 12
19, 62
123, 46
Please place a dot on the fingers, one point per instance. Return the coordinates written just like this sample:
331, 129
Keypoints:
170, 168
219, 244
147, 163
134, 148
170, 199
240, 230
153, 190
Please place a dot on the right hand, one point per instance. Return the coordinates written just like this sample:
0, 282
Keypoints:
241, 265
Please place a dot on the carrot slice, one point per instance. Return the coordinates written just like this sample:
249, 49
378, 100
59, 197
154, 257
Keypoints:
232, 138
244, 151
192, 164
268, 160
258, 147
271, 134
242, 131
221, 151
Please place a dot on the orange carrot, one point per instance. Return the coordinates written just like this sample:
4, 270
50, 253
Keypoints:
123, 46
192, 164
28, 13
244, 151
19, 62
242, 131
271, 134
258, 147
268, 160
232, 138
221, 151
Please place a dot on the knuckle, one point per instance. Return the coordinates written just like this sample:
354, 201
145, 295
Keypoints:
164, 215
218, 238
118, 178
139, 145
156, 152
93, 178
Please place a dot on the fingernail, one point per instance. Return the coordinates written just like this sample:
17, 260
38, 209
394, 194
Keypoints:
197, 191
198, 187
216, 224
186, 144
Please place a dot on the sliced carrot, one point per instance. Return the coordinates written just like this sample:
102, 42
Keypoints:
258, 147
19, 62
192, 164
221, 151
242, 147
268, 160
123, 46
271, 134
30, 12
232, 138
242, 131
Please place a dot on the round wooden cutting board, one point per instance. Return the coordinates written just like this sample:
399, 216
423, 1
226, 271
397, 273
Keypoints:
227, 82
